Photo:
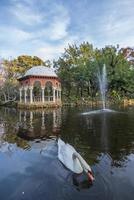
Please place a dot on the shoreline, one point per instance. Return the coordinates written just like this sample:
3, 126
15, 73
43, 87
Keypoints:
125, 102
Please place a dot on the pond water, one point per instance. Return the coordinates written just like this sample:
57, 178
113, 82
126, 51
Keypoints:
29, 166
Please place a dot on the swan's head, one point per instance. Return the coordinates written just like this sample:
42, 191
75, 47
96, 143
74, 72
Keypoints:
89, 173
85, 166
81, 182
90, 176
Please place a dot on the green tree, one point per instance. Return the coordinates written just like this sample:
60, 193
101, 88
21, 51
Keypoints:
74, 70
79, 65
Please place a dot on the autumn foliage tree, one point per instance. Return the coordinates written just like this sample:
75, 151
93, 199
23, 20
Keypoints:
12, 70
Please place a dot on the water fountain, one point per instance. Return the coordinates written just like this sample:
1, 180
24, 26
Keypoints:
102, 77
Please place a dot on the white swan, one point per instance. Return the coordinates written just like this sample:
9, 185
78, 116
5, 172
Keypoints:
73, 160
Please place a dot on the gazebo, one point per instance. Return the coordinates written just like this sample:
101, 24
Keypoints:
39, 87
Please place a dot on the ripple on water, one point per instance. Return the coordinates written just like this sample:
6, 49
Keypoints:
103, 186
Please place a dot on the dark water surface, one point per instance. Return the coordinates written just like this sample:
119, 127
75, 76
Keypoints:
30, 169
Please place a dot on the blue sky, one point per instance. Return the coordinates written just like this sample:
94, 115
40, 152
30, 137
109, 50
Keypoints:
45, 27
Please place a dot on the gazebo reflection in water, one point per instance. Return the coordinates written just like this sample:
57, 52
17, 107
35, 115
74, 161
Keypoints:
38, 124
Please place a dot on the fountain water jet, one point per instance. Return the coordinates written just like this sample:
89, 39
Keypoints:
102, 77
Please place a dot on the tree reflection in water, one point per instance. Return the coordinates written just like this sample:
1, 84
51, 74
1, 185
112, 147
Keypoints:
106, 142
90, 135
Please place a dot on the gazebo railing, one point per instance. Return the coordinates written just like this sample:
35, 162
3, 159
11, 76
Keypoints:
37, 99
46, 98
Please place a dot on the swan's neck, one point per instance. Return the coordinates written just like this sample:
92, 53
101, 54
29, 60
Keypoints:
83, 163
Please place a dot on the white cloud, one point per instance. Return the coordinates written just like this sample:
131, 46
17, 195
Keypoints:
40, 42
116, 24
11, 35
53, 51
53, 23
26, 14
44, 28
61, 21
49, 51
59, 28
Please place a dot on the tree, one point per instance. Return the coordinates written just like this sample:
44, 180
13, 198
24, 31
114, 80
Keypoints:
8, 92
118, 69
14, 69
21, 64
74, 69
79, 66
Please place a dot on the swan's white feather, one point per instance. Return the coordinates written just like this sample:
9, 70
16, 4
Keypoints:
65, 155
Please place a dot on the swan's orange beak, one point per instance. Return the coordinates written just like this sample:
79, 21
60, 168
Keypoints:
90, 176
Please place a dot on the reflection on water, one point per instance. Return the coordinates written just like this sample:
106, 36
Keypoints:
39, 124
28, 154
22, 126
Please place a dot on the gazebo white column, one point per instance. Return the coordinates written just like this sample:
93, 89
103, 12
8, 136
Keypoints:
43, 100
20, 89
53, 94
31, 94
25, 94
